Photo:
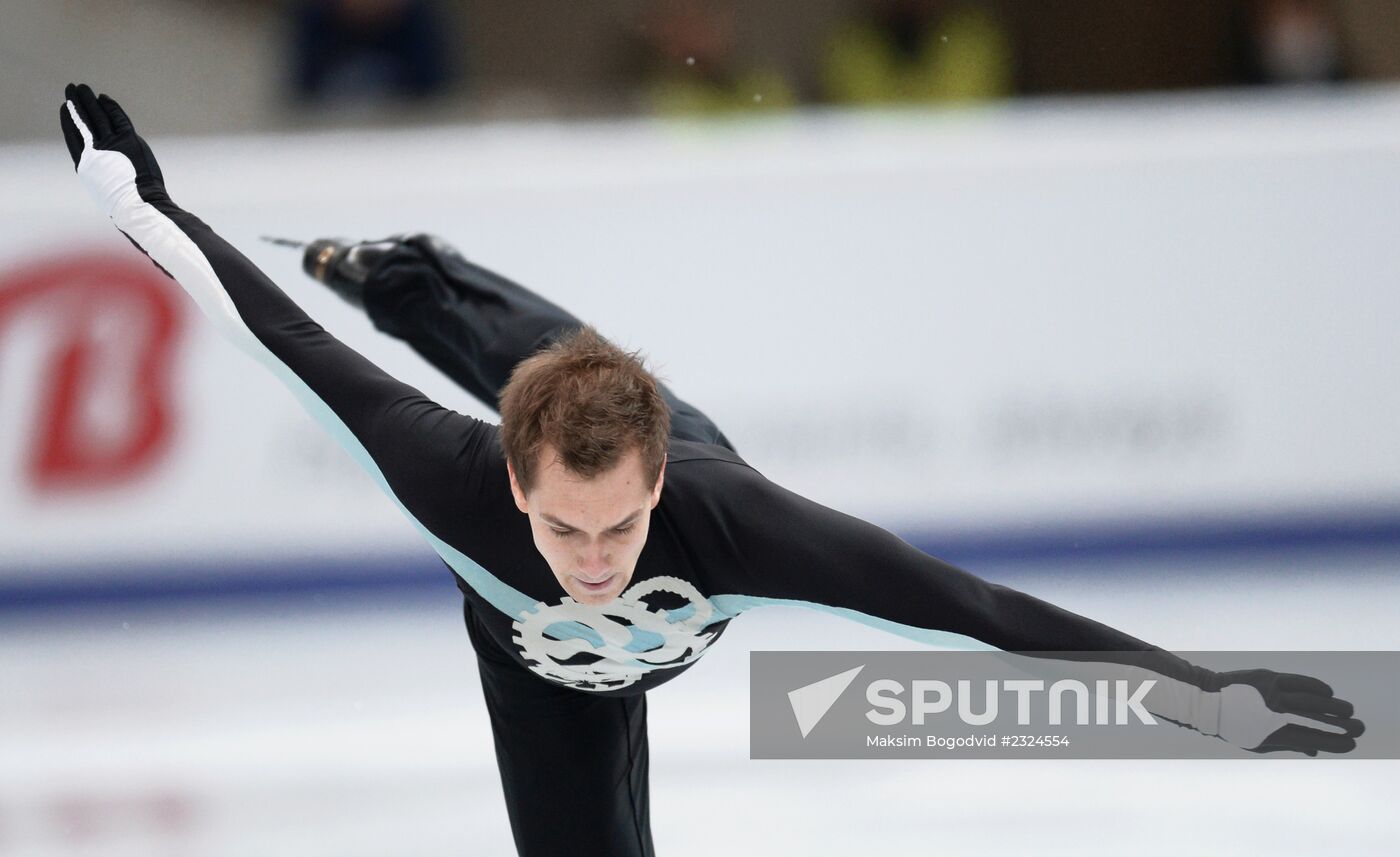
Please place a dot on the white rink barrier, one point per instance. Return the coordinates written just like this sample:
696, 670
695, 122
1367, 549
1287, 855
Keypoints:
1169, 319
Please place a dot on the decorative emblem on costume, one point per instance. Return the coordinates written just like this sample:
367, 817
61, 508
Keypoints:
659, 623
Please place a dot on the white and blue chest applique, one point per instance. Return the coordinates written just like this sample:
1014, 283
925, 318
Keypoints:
657, 623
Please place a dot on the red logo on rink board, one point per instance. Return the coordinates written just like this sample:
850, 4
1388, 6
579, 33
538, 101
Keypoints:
103, 414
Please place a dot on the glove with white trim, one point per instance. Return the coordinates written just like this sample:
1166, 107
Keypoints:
109, 156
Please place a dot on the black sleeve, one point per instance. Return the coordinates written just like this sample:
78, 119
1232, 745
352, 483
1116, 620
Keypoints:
428, 458
791, 549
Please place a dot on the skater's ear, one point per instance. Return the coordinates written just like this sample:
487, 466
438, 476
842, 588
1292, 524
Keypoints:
660, 479
520, 502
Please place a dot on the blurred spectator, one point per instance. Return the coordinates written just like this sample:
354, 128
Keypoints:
1291, 41
689, 60
905, 51
357, 50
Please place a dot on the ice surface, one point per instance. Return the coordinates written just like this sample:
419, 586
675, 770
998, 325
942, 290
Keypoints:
361, 731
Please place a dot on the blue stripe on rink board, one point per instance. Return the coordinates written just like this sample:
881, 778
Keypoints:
1101, 546
1222, 537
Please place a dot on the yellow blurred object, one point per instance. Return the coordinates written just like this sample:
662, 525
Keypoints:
966, 56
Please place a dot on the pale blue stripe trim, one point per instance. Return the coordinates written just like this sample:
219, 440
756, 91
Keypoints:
729, 606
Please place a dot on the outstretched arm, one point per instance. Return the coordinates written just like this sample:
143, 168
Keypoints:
797, 551
426, 457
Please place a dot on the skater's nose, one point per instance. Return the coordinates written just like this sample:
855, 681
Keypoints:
594, 565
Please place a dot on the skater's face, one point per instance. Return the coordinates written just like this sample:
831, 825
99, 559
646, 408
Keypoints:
590, 531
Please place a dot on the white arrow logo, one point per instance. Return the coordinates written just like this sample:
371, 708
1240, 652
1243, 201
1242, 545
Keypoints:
811, 703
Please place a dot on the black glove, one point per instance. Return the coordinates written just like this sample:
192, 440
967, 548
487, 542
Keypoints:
106, 149
1265, 712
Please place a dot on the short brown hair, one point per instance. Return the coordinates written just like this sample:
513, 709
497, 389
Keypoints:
587, 400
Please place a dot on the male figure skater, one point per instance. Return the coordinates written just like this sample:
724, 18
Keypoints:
634, 504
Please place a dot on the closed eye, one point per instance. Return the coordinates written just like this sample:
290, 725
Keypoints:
564, 534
